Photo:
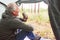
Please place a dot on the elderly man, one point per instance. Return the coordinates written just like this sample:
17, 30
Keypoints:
9, 23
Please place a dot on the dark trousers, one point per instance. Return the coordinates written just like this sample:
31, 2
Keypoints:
22, 34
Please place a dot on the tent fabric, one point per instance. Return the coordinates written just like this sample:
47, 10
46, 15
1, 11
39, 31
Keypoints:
54, 15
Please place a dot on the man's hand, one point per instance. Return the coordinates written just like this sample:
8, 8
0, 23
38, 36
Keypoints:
25, 17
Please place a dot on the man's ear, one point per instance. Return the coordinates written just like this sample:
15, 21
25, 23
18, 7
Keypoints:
14, 13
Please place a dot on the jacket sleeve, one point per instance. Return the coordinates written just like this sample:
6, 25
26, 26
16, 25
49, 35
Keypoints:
23, 20
14, 24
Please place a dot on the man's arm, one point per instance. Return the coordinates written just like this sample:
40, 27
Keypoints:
16, 23
23, 20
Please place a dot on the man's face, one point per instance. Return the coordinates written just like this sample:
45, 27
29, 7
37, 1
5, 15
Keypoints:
15, 12
14, 9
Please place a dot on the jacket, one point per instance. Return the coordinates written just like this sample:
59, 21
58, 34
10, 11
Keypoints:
9, 24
